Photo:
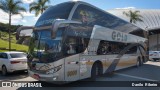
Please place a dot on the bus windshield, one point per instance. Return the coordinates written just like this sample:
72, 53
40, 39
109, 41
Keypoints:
43, 47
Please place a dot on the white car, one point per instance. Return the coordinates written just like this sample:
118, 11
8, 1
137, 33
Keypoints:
12, 61
154, 55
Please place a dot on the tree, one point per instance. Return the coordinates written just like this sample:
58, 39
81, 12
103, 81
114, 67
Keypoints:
12, 7
134, 16
39, 7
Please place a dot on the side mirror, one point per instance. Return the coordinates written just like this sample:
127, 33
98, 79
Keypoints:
61, 23
24, 31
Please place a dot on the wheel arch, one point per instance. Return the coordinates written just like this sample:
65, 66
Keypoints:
99, 63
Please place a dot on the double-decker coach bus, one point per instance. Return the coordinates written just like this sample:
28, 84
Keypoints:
75, 40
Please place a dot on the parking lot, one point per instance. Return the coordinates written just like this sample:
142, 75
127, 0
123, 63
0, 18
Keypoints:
148, 72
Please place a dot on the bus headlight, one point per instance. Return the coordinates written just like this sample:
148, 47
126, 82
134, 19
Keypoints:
54, 70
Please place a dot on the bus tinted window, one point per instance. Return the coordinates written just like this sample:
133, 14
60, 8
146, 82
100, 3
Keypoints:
132, 50
139, 32
108, 47
91, 16
103, 48
60, 11
74, 45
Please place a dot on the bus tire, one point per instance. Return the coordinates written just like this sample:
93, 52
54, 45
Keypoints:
138, 63
97, 69
154, 59
142, 60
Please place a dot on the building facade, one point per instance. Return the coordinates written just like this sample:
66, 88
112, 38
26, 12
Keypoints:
150, 23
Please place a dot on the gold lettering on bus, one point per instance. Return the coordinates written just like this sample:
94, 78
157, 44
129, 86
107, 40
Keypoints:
72, 73
117, 36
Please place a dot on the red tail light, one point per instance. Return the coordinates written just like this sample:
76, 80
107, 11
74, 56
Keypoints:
14, 62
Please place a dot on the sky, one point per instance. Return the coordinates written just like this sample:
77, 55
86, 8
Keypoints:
29, 19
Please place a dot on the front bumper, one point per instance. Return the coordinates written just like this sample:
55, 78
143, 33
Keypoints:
45, 77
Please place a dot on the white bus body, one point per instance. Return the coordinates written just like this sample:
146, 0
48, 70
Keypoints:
79, 66
75, 40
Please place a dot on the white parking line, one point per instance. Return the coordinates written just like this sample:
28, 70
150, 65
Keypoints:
141, 78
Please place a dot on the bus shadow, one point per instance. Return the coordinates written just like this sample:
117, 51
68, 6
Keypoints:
146, 71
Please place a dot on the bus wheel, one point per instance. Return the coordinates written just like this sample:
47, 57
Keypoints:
154, 59
145, 59
96, 70
138, 63
142, 61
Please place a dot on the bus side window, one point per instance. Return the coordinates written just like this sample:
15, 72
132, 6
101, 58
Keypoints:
116, 47
75, 45
71, 49
132, 50
71, 44
103, 48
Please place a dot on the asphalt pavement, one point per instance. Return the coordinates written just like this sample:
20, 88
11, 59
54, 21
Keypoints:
150, 71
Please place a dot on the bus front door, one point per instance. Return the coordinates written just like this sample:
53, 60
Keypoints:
72, 68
